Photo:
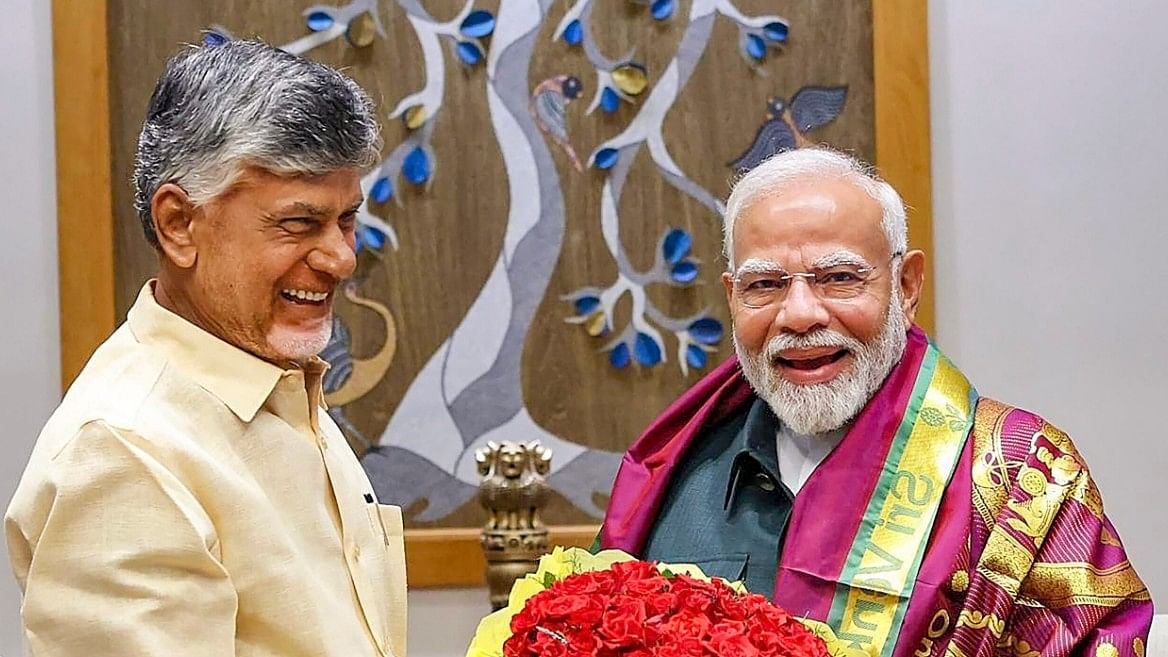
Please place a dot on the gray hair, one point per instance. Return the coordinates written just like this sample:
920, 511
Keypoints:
219, 108
778, 171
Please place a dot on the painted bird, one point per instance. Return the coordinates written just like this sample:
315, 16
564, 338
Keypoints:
548, 101
810, 108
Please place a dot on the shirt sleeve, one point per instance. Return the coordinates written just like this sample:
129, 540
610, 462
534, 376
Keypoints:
123, 560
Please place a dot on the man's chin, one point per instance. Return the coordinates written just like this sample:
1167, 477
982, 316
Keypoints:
811, 410
298, 344
818, 406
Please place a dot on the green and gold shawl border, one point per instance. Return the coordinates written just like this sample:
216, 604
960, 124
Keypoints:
881, 568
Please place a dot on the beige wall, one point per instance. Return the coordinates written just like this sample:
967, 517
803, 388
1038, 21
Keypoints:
28, 232
1050, 229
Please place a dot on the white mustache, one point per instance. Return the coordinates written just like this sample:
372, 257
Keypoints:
819, 339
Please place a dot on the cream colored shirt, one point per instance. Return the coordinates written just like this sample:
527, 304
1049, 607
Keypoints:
190, 499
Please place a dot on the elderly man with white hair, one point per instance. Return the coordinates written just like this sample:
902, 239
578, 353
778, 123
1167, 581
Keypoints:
190, 496
845, 467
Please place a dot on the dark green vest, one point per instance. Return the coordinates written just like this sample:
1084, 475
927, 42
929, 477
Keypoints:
726, 508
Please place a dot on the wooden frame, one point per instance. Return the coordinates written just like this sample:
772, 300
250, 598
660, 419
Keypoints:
435, 557
85, 214
900, 45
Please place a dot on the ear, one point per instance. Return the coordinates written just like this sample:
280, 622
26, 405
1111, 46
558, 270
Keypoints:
912, 279
173, 215
728, 283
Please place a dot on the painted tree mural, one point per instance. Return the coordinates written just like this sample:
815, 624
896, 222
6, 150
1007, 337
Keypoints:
470, 389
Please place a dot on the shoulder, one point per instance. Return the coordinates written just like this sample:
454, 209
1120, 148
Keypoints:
72, 470
110, 391
130, 393
1016, 447
1017, 433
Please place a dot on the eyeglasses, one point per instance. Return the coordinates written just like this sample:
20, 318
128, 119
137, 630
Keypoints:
759, 288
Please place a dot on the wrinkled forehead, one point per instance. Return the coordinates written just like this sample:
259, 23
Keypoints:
811, 221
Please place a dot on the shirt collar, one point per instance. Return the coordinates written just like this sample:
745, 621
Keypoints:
755, 443
239, 379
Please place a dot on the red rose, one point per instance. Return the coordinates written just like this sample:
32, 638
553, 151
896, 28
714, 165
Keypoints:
590, 615
727, 628
793, 628
546, 645
605, 651
694, 600
757, 603
646, 586
581, 641
661, 603
732, 606
526, 619
515, 646
601, 581
710, 587
767, 615
682, 647
631, 610
623, 623
564, 606
801, 642
736, 645
634, 570
686, 624
766, 641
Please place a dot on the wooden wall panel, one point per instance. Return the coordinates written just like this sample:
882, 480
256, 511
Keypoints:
901, 57
449, 232
85, 253
712, 123
878, 49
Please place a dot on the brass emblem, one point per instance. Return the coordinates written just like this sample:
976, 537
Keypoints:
513, 489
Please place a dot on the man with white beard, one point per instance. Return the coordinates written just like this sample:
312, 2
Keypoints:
843, 466
191, 496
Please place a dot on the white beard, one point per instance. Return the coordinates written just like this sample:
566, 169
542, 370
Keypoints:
299, 346
824, 407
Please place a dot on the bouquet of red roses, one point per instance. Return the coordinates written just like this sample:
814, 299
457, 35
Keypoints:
609, 605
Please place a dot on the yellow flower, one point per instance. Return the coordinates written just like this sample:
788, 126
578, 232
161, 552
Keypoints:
492, 632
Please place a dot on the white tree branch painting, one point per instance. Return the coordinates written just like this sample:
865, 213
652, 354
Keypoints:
470, 390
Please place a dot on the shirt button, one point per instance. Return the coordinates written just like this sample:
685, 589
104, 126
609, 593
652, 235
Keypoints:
355, 551
765, 482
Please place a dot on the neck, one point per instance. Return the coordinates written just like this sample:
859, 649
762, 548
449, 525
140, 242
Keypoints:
170, 293
828, 437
